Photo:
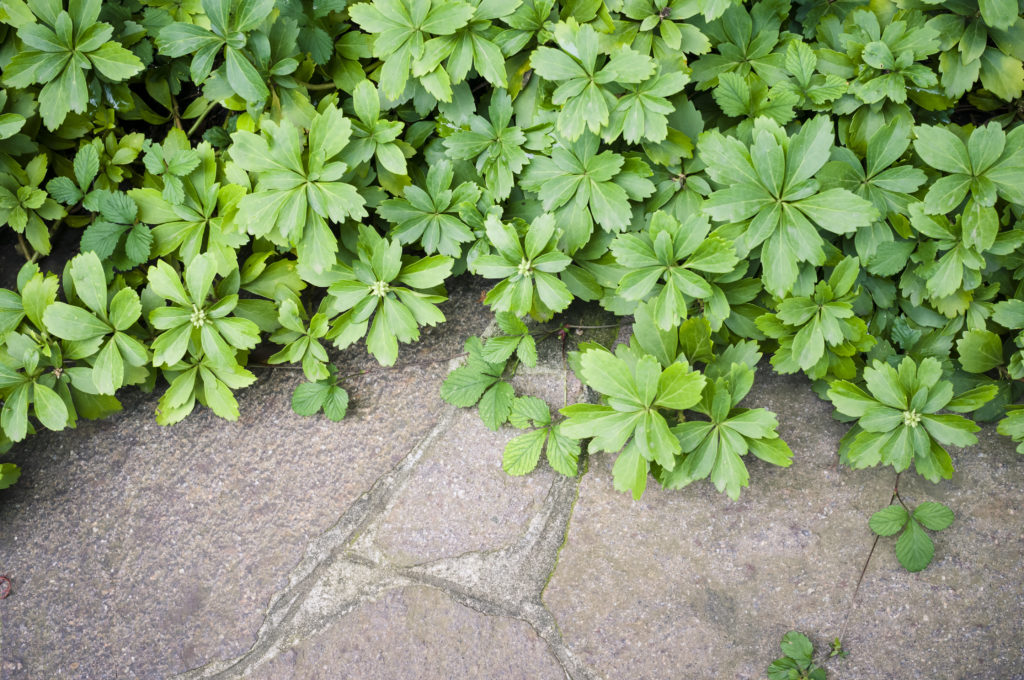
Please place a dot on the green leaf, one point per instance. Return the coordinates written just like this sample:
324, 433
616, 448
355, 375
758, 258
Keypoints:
610, 375
838, 210
90, 282
73, 323
1013, 426
934, 516
309, 397
465, 385
679, 387
972, 399
914, 548
9, 474
336, 403
243, 77
980, 351
889, 521
796, 646
941, 149
496, 405
999, 13
630, 472
522, 452
49, 407
115, 62
850, 399
563, 452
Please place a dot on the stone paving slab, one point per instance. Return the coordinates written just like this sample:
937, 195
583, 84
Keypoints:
141, 551
392, 545
460, 500
417, 632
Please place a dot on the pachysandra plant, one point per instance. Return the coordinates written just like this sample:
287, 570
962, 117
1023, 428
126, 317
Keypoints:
118, 355
635, 390
527, 266
201, 185
399, 293
431, 215
769, 197
819, 333
714, 448
198, 321
229, 21
25, 207
61, 47
300, 185
668, 263
898, 419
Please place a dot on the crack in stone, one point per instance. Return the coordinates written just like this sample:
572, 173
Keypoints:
332, 580
285, 611
583, 461
512, 580
321, 554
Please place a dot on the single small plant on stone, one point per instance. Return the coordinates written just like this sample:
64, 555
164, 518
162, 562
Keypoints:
797, 660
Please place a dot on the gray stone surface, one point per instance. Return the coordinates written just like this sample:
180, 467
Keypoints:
392, 545
460, 499
146, 551
141, 551
416, 632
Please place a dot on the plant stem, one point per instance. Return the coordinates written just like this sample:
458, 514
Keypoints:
174, 113
896, 493
24, 248
200, 119
317, 86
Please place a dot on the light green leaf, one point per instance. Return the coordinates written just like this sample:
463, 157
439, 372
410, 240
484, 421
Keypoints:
243, 77
914, 549
934, 516
496, 405
49, 407
522, 452
630, 472
980, 351
888, 521
73, 323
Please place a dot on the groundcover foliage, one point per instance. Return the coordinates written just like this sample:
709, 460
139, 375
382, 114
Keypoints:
836, 186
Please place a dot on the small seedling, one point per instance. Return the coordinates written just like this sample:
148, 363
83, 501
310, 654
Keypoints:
797, 662
837, 650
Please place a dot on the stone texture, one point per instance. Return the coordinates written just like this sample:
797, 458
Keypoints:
688, 582
141, 551
144, 551
416, 633
460, 499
